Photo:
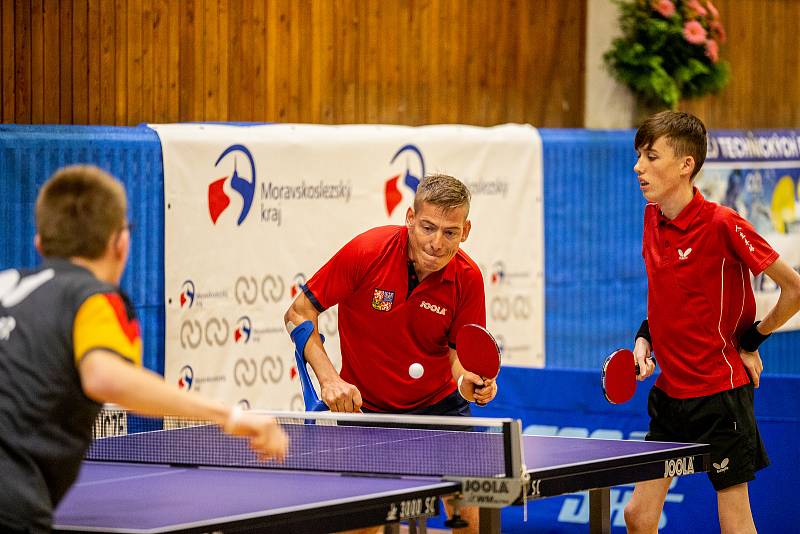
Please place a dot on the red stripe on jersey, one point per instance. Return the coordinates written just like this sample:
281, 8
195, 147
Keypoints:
129, 326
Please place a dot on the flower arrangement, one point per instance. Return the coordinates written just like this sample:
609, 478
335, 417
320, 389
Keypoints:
669, 50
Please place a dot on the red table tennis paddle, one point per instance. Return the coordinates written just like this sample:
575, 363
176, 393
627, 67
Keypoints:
619, 376
478, 351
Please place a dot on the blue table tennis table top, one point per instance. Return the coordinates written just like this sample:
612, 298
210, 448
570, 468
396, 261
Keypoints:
131, 497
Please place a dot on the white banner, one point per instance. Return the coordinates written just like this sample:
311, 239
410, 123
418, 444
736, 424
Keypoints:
252, 212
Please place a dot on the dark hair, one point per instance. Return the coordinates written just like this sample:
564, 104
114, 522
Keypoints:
77, 211
684, 133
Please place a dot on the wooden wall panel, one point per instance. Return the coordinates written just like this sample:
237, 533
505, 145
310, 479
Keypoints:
7, 36
93, 54
107, 73
80, 63
66, 70
120, 102
350, 61
327, 61
764, 53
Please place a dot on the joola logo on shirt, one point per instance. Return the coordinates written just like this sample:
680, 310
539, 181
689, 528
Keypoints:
680, 466
432, 307
382, 300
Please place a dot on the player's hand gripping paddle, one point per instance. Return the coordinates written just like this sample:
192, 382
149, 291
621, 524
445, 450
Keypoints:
619, 376
478, 351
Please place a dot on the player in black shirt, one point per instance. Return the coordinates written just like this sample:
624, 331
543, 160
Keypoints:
69, 341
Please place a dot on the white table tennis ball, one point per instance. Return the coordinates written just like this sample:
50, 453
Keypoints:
415, 370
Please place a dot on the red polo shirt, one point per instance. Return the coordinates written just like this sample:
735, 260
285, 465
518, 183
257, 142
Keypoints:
700, 299
383, 329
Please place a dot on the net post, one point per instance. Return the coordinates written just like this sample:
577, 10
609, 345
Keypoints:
512, 448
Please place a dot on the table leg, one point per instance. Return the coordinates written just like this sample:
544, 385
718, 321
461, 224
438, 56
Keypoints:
489, 522
600, 511
418, 526
391, 528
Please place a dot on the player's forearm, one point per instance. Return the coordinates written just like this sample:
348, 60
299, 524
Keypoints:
107, 378
455, 365
319, 361
786, 306
788, 302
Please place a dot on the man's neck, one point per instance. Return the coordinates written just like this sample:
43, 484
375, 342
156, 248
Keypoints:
421, 275
99, 268
675, 205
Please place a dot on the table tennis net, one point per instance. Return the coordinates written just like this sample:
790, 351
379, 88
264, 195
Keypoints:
315, 445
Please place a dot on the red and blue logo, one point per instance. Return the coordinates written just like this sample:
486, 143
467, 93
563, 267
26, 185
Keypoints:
187, 294
297, 284
415, 163
242, 180
186, 377
498, 273
244, 327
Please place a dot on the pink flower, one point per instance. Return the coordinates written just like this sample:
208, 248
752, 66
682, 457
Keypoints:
664, 7
712, 50
718, 31
694, 32
697, 7
712, 9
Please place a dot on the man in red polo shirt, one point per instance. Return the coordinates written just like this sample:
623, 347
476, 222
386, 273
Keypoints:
403, 293
700, 321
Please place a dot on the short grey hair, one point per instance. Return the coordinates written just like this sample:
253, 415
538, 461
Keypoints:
442, 190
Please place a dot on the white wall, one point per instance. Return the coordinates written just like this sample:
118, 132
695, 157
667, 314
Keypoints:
607, 103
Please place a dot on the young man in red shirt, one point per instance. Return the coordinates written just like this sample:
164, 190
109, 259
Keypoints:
700, 321
403, 293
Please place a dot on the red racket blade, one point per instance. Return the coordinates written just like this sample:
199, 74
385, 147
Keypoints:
619, 376
477, 351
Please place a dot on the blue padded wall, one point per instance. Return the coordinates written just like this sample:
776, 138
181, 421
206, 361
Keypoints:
594, 275
30, 154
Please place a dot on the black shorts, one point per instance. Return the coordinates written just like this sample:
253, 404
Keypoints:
725, 420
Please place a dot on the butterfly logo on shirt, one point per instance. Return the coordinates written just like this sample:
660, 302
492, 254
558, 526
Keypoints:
684, 254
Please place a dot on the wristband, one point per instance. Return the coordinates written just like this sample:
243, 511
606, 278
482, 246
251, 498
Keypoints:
644, 331
461, 379
233, 418
752, 338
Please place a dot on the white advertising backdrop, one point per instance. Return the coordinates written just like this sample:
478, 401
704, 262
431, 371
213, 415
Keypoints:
251, 212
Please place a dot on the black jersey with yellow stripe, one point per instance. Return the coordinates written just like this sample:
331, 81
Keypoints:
50, 319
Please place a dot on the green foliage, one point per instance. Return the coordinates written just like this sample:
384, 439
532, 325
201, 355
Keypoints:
654, 56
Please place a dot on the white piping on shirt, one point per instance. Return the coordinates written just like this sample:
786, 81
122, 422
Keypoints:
741, 308
719, 324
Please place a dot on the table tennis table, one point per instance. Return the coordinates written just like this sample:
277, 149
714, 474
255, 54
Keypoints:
197, 479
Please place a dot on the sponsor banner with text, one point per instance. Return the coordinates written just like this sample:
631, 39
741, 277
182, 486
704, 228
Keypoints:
251, 212
757, 173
